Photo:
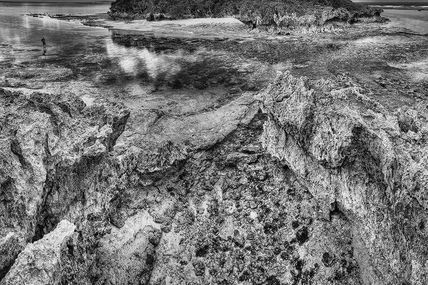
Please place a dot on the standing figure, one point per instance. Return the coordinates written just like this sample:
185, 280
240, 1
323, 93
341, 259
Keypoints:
44, 46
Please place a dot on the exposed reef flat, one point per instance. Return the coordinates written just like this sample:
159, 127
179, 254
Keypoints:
169, 155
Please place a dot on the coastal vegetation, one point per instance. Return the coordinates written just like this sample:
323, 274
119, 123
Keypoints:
281, 13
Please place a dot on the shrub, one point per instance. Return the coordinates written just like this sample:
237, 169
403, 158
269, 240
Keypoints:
265, 12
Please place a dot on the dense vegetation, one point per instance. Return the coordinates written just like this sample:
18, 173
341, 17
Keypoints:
261, 11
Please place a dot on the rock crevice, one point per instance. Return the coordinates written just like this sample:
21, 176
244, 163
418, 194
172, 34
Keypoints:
307, 181
353, 154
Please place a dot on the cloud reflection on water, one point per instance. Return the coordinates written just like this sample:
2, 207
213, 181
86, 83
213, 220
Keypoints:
9, 36
133, 61
51, 24
26, 22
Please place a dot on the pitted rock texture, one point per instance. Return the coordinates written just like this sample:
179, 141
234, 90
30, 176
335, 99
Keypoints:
353, 154
213, 210
235, 215
310, 181
10, 247
48, 146
322, 185
127, 255
40, 262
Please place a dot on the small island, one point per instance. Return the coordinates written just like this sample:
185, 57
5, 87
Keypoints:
257, 13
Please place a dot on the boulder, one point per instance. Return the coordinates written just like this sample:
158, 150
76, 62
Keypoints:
40, 262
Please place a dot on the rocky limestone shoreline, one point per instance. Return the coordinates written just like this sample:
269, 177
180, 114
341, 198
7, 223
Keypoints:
257, 160
308, 181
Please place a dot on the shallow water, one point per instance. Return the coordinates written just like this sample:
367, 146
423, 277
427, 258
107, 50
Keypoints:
414, 20
8, 8
23, 33
90, 51
84, 48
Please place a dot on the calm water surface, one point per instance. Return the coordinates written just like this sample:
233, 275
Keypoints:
414, 20
23, 34
20, 36
20, 39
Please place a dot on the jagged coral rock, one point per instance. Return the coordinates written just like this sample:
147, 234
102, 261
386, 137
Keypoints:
127, 255
39, 263
349, 152
236, 215
48, 144
10, 247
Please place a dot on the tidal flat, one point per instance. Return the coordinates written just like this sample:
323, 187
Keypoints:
166, 66
207, 152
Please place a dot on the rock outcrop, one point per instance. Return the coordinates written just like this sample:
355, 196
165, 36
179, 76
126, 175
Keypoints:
361, 161
40, 262
128, 255
49, 145
309, 181
10, 247
211, 207
284, 13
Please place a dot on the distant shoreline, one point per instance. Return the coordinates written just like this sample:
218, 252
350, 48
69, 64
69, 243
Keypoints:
401, 7
397, 5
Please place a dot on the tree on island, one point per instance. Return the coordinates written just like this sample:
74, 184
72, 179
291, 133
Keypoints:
266, 12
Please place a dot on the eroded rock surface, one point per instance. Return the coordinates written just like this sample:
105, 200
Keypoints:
211, 207
40, 262
10, 247
354, 155
202, 172
48, 146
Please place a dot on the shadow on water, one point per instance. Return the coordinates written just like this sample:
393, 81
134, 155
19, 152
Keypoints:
176, 67
289, 51
270, 51
93, 54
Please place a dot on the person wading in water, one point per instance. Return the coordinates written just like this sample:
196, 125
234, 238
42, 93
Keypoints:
44, 46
